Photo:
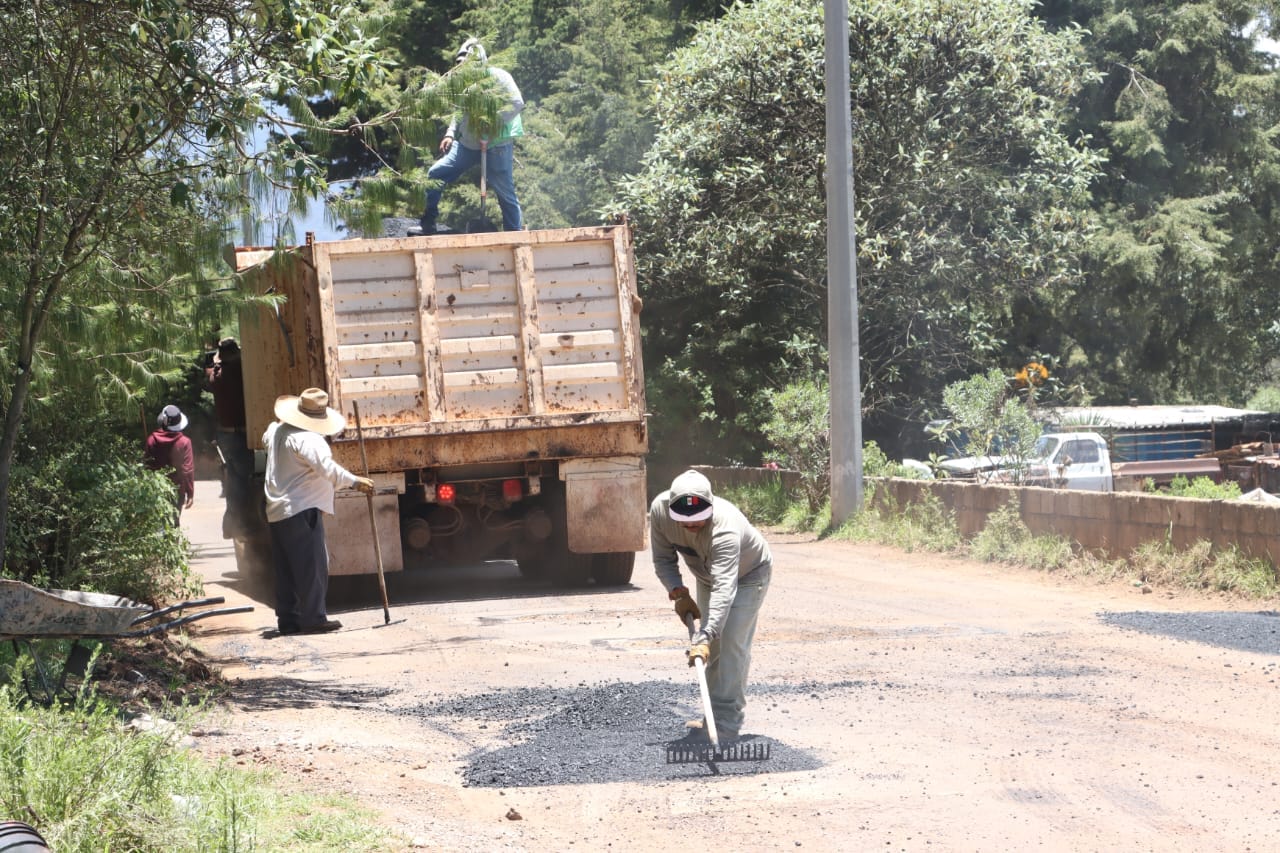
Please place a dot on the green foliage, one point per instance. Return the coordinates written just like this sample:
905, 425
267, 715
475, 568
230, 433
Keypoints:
1180, 303
88, 516
126, 128
1006, 539
1200, 487
89, 784
1202, 567
924, 525
765, 503
970, 197
799, 431
992, 418
876, 464
1265, 399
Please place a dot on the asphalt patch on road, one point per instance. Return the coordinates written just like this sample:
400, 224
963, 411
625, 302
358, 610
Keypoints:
600, 733
1249, 632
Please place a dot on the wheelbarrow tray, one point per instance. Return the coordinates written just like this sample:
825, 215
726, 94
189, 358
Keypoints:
31, 612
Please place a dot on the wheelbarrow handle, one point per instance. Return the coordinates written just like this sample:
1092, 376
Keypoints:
156, 614
191, 617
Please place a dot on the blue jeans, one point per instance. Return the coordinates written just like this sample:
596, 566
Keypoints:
499, 176
731, 652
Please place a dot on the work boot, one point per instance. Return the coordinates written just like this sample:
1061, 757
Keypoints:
322, 628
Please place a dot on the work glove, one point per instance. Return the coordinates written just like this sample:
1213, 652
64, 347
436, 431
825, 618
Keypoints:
365, 485
699, 647
684, 603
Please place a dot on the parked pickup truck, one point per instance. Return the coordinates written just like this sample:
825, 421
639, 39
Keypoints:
498, 383
1078, 460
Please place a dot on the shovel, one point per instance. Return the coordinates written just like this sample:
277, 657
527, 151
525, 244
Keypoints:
482, 224
684, 752
377, 546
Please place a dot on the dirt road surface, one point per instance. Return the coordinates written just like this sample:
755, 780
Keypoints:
911, 702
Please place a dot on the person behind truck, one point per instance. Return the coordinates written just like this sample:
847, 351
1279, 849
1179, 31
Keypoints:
497, 148
731, 565
300, 482
224, 377
168, 449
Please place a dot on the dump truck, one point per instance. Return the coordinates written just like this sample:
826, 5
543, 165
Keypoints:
493, 389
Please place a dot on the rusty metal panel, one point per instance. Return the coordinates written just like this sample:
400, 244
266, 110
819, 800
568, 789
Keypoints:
510, 445
460, 334
277, 341
582, 336
605, 504
349, 537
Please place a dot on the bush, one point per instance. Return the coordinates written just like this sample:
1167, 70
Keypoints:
87, 515
925, 525
88, 783
763, 503
799, 427
1200, 487
1202, 567
1006, 539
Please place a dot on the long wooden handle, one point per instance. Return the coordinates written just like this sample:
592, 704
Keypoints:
701, 668
373, 523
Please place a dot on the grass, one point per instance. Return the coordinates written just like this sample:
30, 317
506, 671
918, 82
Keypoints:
928, 526
89, 783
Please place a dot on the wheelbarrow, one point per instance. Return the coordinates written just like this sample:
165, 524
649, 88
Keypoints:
29, 614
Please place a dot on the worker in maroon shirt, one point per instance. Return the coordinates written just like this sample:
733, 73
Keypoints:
168, 449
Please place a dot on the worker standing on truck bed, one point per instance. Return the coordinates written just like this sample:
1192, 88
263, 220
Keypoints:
732, 565
497, 148
300, 481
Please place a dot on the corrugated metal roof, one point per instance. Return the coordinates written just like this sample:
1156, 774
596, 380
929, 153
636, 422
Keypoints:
1145, 417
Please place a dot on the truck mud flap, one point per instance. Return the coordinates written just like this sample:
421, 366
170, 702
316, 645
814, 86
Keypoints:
605, 504
349, 537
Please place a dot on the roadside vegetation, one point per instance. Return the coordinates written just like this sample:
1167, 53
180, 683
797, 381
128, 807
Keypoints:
985, 407
90, 782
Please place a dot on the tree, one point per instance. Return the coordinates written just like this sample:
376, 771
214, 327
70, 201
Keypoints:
121, 121
1180, 302
989, 416
970, 198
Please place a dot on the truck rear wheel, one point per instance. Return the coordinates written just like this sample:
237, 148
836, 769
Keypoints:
570, 569
613, 569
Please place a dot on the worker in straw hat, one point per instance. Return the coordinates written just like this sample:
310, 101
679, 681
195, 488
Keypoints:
301, 479
731, 565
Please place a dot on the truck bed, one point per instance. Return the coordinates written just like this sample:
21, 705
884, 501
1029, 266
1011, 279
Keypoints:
455, 336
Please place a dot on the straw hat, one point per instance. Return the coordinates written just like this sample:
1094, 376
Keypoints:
310, 411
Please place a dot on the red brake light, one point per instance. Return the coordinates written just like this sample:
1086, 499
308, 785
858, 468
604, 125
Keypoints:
445, 493
512, 490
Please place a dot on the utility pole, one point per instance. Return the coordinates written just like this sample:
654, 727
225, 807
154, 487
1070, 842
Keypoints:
842, 273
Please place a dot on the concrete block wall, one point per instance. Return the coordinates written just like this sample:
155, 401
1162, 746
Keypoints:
1113, 523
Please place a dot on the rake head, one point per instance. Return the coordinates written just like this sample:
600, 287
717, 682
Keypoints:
685, 752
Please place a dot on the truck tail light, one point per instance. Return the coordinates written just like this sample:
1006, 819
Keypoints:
445, 493
512, 490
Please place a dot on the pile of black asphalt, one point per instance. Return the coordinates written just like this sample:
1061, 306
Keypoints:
606, 732
1257, 631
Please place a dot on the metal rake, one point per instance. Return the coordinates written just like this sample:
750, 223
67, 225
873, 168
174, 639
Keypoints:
684, 752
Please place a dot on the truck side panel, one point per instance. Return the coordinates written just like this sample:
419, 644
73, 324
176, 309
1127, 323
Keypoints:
519, 330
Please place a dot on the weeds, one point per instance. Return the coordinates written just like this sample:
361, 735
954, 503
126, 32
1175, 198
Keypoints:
89, 783
1006, 539
1200, 567
925, 525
